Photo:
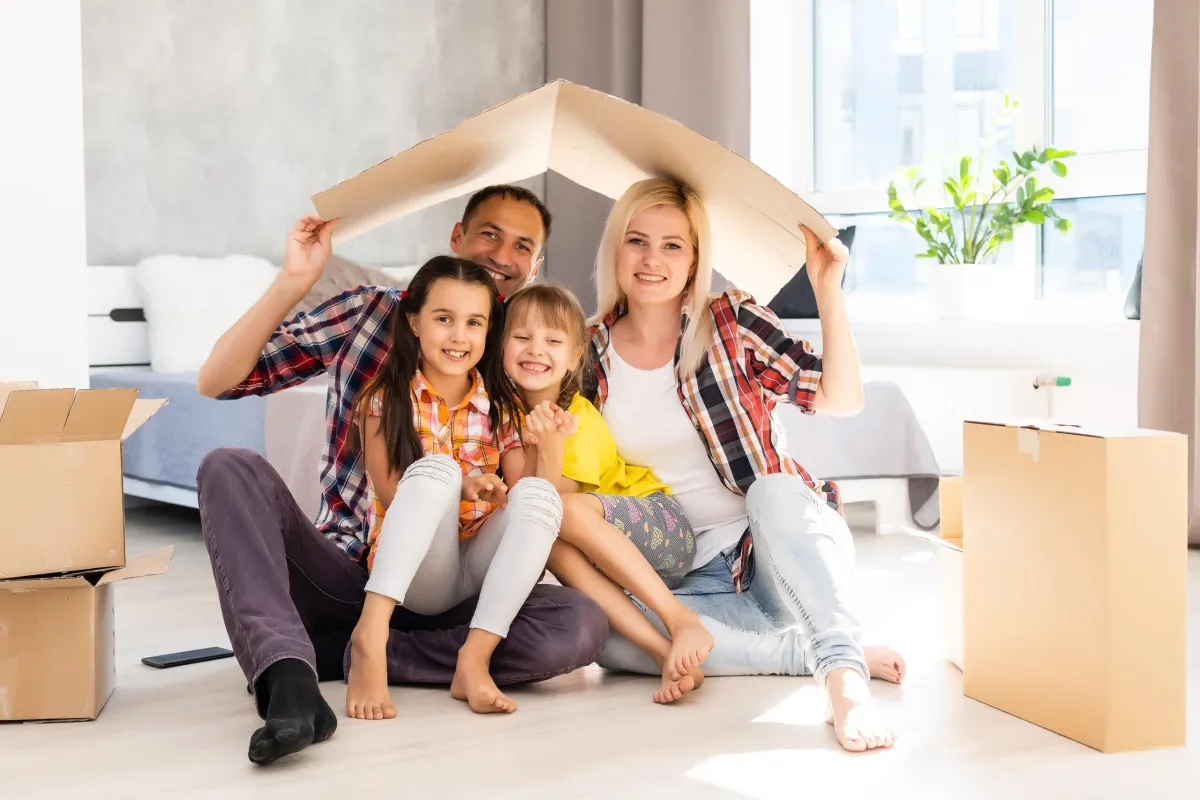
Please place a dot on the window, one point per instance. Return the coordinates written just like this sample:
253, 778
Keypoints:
904, 82
884, 85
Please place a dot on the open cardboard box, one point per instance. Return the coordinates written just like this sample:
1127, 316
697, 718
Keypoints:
1074, 580
57, 641
61, 487
604, 144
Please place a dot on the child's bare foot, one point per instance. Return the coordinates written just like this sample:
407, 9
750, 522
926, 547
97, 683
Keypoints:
670, 690
885, 663
367, 693
690, 645
473, 683
852, 713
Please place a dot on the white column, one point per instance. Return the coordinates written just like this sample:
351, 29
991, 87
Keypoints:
43, 249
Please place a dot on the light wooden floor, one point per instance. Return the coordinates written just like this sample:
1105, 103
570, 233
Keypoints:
184, 731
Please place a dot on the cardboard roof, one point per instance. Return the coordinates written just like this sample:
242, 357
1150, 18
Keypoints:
155, 562
604, 144
29, 415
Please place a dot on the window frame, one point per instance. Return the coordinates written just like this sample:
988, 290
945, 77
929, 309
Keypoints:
785, 125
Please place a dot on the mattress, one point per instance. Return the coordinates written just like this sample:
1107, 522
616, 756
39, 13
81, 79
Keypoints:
168, 449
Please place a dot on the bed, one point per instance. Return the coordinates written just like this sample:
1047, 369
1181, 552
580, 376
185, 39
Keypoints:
880, 457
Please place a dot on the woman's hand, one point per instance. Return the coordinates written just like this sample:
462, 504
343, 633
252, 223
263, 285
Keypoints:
487, 488
826, 262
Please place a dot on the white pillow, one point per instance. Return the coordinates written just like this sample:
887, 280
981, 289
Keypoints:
190, 302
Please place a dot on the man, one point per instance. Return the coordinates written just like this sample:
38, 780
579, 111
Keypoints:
291, 591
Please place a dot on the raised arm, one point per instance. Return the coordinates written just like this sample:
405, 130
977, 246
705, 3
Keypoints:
238, 353
787, 368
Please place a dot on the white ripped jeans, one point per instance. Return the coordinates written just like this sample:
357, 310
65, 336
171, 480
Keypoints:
421, 563
793, 616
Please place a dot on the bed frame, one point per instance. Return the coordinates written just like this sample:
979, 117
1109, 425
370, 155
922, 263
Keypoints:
119, 338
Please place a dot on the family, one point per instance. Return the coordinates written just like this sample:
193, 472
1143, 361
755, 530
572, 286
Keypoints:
483, 430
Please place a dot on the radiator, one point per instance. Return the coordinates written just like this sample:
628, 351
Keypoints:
943, 397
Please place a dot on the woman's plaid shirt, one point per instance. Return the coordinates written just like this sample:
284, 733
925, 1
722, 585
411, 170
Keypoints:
752, 364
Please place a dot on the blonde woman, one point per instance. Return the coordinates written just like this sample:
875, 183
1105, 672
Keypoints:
686, 383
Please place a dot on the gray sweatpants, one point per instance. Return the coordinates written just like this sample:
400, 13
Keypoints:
421, 562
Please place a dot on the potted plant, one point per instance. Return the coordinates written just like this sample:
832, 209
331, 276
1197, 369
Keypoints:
981, 210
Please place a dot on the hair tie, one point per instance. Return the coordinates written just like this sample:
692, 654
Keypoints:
499, 298
404, 294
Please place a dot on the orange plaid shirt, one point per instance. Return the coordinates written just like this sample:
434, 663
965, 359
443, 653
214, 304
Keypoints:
463, 432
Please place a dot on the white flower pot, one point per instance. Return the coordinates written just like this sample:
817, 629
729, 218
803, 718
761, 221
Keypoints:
967, 291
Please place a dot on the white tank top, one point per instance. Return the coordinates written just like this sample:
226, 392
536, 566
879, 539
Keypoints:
652, 429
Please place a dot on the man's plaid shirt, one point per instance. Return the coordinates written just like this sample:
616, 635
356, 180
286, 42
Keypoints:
349, 337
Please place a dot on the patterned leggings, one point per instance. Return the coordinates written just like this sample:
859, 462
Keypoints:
657, 525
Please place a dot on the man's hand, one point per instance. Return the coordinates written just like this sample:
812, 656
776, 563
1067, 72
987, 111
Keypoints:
307, 251
486, 488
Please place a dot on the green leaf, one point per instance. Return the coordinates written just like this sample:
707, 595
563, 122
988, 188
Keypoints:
970, 197
964, 168
1043, 194
1060, 169
1021, 196
917, 186
1034, 216
1001, 174
1063, 225
1043, 156
1056, 154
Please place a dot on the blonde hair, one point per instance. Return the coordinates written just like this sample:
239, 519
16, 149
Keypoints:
554, 307
698, 334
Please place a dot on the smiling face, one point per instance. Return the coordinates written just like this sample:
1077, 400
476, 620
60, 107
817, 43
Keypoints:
656, 257
505, 236
538, 355
452, 328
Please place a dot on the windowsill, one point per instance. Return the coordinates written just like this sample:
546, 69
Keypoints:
880, 313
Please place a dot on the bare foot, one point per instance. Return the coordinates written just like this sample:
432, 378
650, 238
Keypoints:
367, 693
690, 645
670, 690
885, 663
852, 713
473, 683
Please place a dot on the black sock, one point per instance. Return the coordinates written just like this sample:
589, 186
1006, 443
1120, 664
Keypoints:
330, 647
295, 712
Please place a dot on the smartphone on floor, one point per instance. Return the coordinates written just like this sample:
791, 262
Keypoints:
186, 657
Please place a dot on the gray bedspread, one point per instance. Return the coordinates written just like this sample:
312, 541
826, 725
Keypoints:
168, 449
884, 440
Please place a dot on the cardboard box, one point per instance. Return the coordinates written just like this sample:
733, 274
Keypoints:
60, 477
57, 643
605, 144
1075, 580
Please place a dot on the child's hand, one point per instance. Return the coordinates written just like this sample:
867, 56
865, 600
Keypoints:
550, 424
486, 488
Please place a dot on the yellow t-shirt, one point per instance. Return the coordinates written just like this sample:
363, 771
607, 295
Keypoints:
590, 457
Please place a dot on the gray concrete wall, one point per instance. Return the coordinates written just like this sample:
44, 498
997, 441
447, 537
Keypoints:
209, 124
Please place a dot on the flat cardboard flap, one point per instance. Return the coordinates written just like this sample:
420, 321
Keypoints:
142, 411
45, 582
99, 413
13, 386
34, 414
604, 144
1088, 431
155, 562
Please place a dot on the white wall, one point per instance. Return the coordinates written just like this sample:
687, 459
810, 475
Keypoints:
43, 249
992, 363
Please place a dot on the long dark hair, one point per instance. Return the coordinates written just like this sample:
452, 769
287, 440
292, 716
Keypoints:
554, 307
393, 382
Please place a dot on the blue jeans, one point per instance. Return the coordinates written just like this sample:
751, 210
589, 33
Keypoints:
791, 617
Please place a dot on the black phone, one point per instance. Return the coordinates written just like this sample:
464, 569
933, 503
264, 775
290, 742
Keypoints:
186, 657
